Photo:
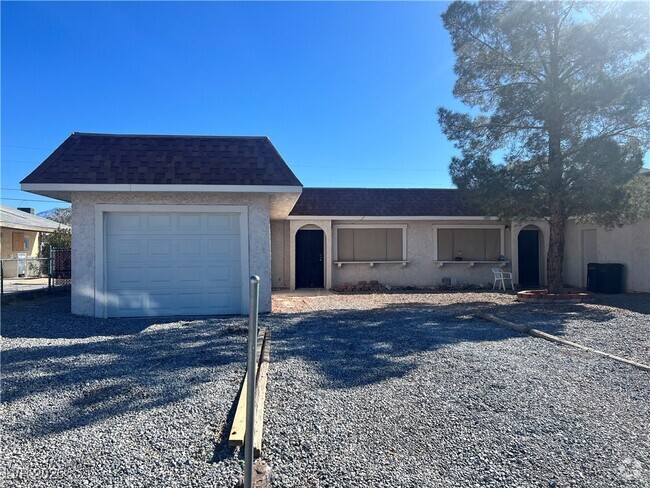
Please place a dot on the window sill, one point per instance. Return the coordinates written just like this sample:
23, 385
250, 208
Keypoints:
471, 263
370, 263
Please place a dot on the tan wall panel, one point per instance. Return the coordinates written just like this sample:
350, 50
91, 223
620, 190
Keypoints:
445, 244
345, 239
394, 244
470, 243
492, 244
369, 244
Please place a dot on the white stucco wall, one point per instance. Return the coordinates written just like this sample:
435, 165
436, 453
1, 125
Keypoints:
420, 271
629, 245
83, 244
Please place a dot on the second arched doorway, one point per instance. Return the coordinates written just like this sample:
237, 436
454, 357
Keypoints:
529, 244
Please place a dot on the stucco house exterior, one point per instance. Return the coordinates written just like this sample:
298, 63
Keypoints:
21, 235
175, 225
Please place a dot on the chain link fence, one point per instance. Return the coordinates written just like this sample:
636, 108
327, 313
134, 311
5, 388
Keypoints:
30, 273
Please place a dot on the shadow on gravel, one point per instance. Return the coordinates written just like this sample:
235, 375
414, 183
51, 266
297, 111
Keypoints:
111, 367
634, 302
355, 348
361, 347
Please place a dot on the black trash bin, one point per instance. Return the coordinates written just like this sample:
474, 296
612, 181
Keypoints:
605, 277
592, 277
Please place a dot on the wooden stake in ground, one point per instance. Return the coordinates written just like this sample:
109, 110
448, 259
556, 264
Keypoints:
559, 340
238, 430
260, 393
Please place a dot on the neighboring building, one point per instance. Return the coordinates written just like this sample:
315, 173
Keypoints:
21, 236
175, 225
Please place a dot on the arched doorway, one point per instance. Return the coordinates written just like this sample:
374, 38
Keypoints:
529, 247
310, 263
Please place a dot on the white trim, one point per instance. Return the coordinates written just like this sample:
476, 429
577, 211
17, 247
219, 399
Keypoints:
33, 187
335, 239
502, 243
373, 218
371, 263
471, 263
100, 237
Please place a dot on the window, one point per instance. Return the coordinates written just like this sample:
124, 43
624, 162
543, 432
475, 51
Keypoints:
19, 242
471, 244
370, 244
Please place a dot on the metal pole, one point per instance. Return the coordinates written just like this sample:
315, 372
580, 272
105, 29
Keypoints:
2, 278
250, 398
49, 271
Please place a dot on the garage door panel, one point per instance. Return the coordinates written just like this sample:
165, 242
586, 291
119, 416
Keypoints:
159, 222
227, 247
172, 264
125, 274
217, 274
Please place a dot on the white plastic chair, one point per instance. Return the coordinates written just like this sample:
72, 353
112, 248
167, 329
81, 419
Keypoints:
501, 277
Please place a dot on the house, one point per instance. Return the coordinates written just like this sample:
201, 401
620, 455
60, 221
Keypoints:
175, 225
21, 234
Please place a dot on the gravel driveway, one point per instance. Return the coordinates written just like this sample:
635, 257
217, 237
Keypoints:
399, 394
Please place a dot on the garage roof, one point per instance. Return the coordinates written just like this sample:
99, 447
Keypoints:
382, 202
99, 159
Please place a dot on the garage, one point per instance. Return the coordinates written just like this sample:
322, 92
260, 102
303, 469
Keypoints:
168, 225
172, 263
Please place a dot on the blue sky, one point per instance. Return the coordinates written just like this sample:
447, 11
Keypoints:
347, 92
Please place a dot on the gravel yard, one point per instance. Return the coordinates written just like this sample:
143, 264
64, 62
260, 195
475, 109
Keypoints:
364, 390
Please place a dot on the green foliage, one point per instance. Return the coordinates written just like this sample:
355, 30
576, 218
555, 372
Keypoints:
60, 238
559, 90
563, 92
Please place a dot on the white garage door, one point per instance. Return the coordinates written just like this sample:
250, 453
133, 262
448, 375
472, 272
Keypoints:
161, 264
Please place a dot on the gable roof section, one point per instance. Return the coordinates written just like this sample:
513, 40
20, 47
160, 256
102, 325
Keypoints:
17, 219
112, 159
382, 202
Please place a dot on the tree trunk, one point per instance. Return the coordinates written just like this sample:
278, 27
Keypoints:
555, 255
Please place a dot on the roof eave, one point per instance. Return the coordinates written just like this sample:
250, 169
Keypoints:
63, 191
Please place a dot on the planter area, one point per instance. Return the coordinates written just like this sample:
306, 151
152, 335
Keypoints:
542, 296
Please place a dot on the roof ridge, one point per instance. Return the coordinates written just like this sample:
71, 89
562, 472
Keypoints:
196, 136
374, 188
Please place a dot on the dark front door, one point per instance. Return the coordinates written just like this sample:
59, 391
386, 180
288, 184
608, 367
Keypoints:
528, 241
309, 259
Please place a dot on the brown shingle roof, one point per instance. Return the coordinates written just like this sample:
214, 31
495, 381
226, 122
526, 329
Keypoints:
382, 202
159, 160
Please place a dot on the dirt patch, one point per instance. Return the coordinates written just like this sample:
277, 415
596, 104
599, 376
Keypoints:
300, 304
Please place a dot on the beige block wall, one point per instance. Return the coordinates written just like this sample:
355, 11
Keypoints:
83, 244
629, 245
280, 254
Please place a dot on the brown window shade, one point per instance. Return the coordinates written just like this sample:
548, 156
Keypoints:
470, 244
394, 251
446, 244
370, 244
345, 239
18, 241
492, 244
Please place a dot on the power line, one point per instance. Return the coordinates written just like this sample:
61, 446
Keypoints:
29, 200
373, 168
18, 161
26, 147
